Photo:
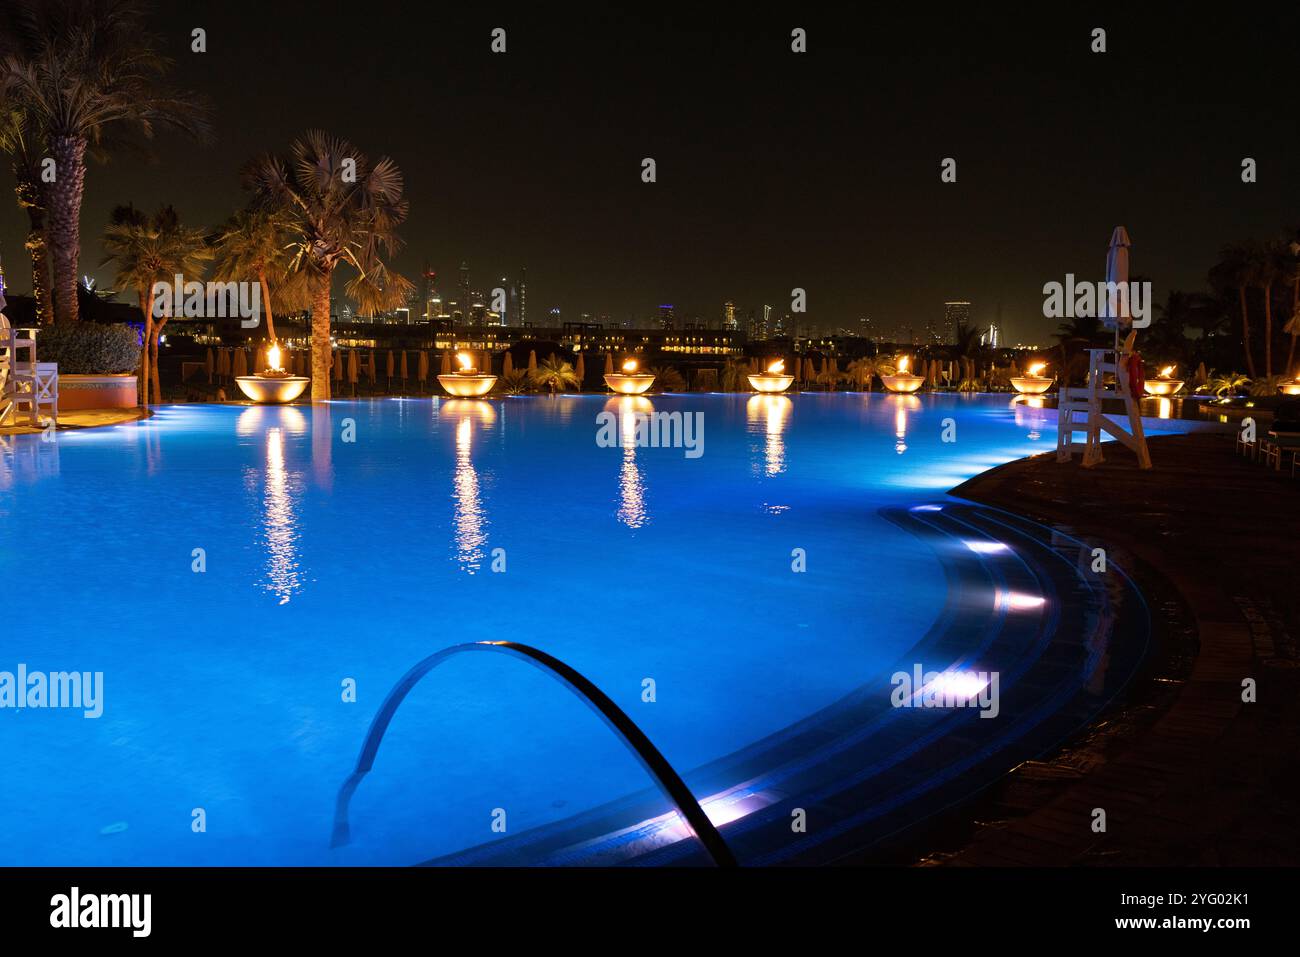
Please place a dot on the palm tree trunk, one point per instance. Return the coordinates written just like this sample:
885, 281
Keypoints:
1295, 311
40, 255
144, 352
64, 233
157, 381
320, 341
1245, 331
266, 306
1268, 331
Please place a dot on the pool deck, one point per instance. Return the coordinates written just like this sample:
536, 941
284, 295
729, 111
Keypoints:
83, 419
1187, 773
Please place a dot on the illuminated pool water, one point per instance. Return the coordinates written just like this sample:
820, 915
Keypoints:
344, 543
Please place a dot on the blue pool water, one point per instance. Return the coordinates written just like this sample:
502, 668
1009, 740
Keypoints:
344, 543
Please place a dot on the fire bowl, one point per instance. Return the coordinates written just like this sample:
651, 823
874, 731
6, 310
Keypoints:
904, 382
1031, 384
629, 383
272, 390
467, 386
770, 382
1163, 386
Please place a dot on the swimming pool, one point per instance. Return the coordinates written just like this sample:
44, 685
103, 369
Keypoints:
252, 581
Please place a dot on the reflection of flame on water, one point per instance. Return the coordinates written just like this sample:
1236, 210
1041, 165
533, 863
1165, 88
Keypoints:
1029, 414
1164, 408
902, 404
631, 486
280, 521
771, 412
469, 519
484, 412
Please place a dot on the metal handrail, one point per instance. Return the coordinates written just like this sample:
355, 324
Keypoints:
618, 721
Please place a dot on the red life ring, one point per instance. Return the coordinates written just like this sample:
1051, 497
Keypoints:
1136, 377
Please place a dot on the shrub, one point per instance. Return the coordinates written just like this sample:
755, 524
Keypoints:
89, 348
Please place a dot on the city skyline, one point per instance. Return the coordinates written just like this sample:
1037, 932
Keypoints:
774, 170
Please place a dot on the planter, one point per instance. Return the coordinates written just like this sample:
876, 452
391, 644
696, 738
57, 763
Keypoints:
98, 392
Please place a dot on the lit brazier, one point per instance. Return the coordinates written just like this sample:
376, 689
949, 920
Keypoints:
1291, 387
272, 386
902, 380
1032, 382
1163, 384
629, 381
467, 382
775, 379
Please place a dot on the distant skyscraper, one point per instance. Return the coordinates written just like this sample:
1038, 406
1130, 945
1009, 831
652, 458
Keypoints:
729, 315
667, 319
955, 313
522, 311
465, 294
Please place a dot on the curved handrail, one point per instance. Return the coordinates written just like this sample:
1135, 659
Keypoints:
593, 697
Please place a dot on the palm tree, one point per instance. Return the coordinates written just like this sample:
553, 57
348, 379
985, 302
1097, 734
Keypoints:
1235, 271
668, 379
1265, 272
735, 376
149, 250
340, 209
1227, 383
253, 243
864, 371
1292, 327
555, 374
83, 71
24, 148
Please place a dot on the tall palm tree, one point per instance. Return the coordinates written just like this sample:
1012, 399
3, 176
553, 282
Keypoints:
84, 70
1234, 272
254, 244
555, 374
148, 250
1266, 270
22, 143
341, 209
1292, 275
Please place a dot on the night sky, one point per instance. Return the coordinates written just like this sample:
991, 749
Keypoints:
775, 170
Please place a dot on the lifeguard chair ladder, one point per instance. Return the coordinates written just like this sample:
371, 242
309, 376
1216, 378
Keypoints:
1079, 410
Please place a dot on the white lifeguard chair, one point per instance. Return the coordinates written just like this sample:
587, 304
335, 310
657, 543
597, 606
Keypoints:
1080, 410
27, 383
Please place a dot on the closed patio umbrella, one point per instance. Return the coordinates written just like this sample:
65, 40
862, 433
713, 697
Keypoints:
580, 371
389, 369
532, 361
445, 368
423, 366
352, 369
241, 363
371, 373
338, 365
609, 363
209, 364
1117, 272
223, 362
809, 372
507, 366
403, 372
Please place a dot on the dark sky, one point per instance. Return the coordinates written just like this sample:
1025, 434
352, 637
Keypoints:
775, 170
